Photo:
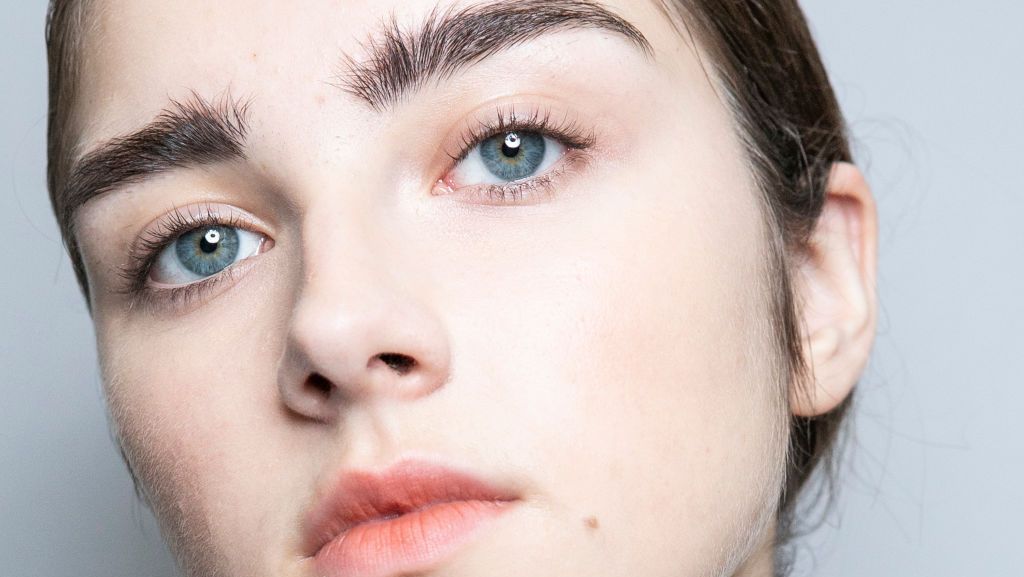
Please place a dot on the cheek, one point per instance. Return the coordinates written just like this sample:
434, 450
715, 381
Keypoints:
196, 411
679, 396
656, 407
678, 408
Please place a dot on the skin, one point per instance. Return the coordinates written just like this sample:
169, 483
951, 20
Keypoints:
605, 349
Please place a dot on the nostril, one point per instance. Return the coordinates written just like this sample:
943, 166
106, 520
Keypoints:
319, 383
402, 364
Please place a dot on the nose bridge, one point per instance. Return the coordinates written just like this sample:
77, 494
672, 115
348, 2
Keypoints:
356, 333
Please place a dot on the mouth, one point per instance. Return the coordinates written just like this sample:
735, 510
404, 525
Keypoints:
407, 518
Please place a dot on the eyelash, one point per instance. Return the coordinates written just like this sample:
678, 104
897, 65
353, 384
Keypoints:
568, 132
151, 244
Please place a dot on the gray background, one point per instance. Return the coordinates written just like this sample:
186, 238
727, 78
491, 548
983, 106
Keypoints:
932, 90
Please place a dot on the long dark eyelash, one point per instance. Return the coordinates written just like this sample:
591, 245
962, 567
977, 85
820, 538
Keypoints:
540, 121
567, 131
148, 247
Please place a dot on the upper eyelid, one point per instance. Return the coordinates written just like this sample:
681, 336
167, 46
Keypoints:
178, 218
540, 118
157, 238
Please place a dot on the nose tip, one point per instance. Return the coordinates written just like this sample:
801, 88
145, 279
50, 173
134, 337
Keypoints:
339, 355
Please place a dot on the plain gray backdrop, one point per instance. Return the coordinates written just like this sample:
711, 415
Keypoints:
932, 486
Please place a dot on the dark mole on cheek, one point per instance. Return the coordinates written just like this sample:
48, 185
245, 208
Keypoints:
591, 522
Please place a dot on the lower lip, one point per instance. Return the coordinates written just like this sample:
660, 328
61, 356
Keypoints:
411, 542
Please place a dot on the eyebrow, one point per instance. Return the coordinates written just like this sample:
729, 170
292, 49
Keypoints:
187, 133
399, 61
194, 131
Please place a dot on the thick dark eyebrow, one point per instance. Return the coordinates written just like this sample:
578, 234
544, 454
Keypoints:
398, 61
196, 132
186, 133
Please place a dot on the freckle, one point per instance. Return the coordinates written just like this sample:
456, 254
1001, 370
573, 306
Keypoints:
253, 56
591, 522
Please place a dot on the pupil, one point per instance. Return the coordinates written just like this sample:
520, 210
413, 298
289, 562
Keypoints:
210, 241
510, 147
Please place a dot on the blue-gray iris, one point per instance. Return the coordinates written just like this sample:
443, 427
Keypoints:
513, 155
208, 250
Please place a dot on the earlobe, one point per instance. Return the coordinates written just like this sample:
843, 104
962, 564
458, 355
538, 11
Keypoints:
836, 293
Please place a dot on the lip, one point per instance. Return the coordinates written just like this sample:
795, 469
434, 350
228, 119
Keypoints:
409, 517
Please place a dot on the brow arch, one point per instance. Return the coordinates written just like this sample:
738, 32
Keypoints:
396, 61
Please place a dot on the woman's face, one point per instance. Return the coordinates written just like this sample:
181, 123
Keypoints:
352, 282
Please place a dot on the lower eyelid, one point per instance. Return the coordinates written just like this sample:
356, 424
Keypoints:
181, 299
535, 189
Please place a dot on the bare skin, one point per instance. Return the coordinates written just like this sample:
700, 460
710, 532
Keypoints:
602, 344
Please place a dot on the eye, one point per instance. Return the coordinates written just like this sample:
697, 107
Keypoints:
506, 157
203, 252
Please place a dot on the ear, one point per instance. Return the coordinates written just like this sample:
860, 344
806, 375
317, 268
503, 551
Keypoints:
835, 285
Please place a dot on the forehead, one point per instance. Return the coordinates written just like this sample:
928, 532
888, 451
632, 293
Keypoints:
140, 53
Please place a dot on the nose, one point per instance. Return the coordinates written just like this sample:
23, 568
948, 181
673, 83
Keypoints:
355, 336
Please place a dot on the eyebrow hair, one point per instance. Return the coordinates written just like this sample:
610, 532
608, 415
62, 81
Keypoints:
195, 131
400, 61
191, 132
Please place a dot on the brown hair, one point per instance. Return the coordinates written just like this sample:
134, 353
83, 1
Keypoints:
766, 67
64, 31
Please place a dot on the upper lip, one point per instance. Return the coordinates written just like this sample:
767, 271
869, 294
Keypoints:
408, 485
